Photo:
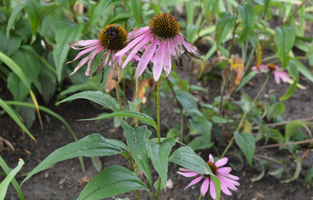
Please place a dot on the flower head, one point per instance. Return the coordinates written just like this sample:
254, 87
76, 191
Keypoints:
111, 39
278, 74
228, 181
159, 42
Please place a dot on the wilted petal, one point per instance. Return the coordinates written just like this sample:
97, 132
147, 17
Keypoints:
80, 64
167, 59
158, 61
92, 58
82, 44
146, 58
82, 53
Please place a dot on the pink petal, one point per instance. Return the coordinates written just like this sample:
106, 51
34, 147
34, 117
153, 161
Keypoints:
276, 76
172, 48
184, 170
78, 45
138, 32
146, 58
264, 67
195, 181
131, 45
167, 59
188, 174
189, 47
284, 76
205, 186
158, 61
83, 53
225, 189
211, 158
212, 190
176, 43
81, 63
224, 170
92, 58
221, 162
143, 40
228, 182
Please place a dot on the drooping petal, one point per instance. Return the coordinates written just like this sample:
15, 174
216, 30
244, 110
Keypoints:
82, 44
205, 186
212, 190
195, 181
172, 48
146, 58
233, 177
92, 58
276, 76
284, 76
83, 53
221, 162
143, 40
228, 182
188, 174
167, 59
80, 64
158, 61
225, 189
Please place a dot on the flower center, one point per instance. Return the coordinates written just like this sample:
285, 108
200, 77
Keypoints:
271, 67
164, 25
213, 167
113, 37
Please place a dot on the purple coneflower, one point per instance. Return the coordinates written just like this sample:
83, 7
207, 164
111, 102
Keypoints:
111, 39
278, 74
164, 42
223, 173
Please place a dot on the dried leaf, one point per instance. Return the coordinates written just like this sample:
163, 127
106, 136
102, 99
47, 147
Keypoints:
236, 67
7, 143
260, 195
145, 88
110, 85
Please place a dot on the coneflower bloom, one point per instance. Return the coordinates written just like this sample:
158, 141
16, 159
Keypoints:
228, 181
159, 42
278, 74
111, 39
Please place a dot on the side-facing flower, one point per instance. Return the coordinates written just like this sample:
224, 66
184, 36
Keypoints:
111, 39
278, 74
159, 42
228, 181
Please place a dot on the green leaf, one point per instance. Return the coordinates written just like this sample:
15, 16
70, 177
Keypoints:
276, 110
246, 143
172, 2
172, 133
292, 126
90, 146
136, 10
110, 182
98, 97
127, 113
16, 11
137, 140
64, 33
32, 12
303, 70
308, 177
187, 158
203, 126
200, 142
30, 65
277, 173
5, 183
292, 88
247, 15
284, 38
9, 46
15, 117
310, 51
17, 87
100, 8
224, 26
159, 157
188, 101
217, 184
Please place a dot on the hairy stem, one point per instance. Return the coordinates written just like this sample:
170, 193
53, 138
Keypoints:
117, 88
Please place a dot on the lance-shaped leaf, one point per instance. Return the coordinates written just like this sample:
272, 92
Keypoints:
187, 158
137, 140
98, 97
224, 26
247, 15
246, 143
64, 33
110, 182
127, 113
159, 157
90, 146
284, 38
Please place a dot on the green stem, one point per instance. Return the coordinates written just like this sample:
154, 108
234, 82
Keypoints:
200, 197
245, 115
158, 111
117, 88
